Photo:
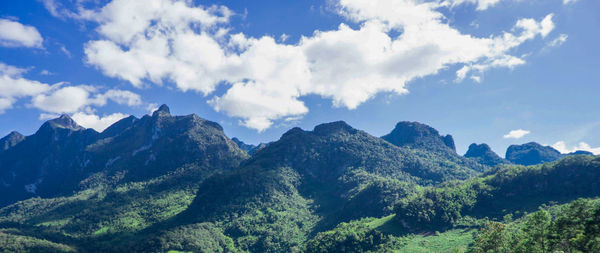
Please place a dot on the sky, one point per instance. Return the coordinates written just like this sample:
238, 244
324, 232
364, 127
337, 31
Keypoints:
499, 72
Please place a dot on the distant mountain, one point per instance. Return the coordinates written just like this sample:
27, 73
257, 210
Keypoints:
531, 153
581, 152
249, 148
61, 154
415, 134
10, 140
427, 142
483, 154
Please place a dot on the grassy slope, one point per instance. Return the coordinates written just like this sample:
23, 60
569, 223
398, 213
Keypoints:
395, 238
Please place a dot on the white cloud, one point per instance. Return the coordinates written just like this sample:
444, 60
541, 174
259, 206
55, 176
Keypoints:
63, 100
562, 147
122, 97
13, 86
59, 98
47, 116
96, 122
569, 1
5, 103
516, 134
561, 39
72, 99
191, 46
65, 51
15, 34
481, 4
45, 72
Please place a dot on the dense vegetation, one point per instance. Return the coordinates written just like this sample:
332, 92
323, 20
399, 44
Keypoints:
509, 189
574, 227
179, 184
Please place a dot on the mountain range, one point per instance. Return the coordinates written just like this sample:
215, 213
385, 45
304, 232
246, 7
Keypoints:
164, 182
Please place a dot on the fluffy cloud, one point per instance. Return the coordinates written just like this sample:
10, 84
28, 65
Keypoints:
96, 122
72, 99
53, 100
191, 47
13, 86
569, 1
516, 134
562, 147
15, 34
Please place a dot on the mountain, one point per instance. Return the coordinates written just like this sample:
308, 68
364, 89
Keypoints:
249, 148
311, 180
164, 183
581, 152
153, 145
62, 157
415, 134
10, 140
531, 153
483, 154
426, 141
44, 163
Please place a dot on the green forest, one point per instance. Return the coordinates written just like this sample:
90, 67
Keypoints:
167, 183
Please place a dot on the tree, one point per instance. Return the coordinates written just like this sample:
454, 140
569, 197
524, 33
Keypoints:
491, 239
536, 230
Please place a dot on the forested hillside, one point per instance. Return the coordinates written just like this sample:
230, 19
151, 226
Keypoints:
166, 182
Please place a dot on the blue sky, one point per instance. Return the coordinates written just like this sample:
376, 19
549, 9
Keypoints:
495, 71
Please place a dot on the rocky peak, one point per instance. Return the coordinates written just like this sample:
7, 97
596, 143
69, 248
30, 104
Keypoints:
62, 122
11, 140
418, 134
484, 154
163, 110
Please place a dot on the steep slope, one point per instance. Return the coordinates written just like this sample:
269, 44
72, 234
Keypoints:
62, 157
482, 153
531, 153
427, 143
153, 145
311, 180
129, 195
46, 162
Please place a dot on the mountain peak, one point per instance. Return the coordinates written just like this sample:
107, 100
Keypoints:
162, 110
531, 153
11, 140
64, 121
332, 127
484, 154
415, 133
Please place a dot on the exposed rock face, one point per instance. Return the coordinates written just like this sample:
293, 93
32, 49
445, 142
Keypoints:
483, 154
